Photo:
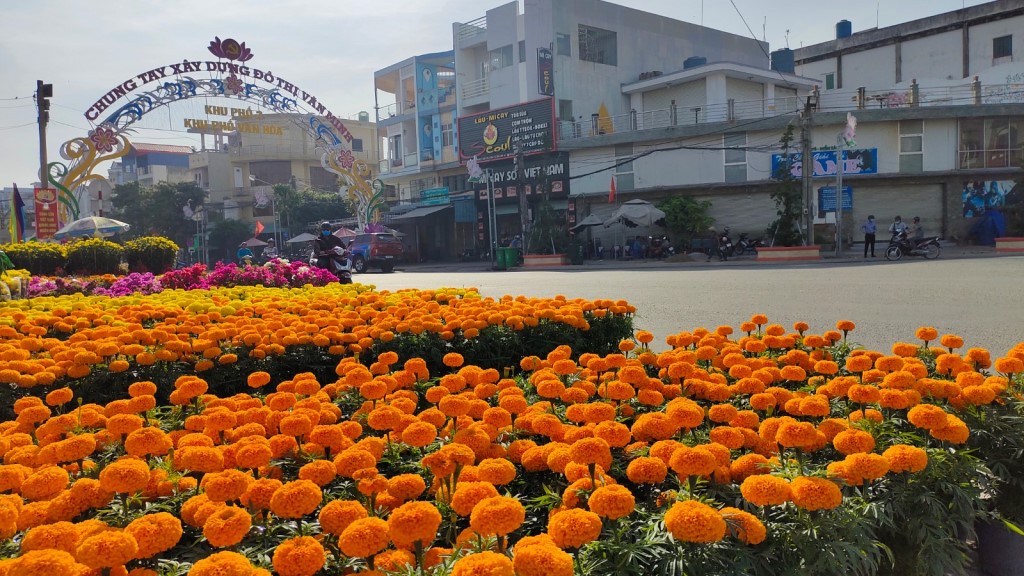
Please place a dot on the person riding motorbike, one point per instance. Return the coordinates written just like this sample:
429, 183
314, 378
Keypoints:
329, 251
244, 254
916, 232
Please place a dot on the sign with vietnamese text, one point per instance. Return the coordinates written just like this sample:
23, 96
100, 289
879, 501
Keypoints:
543, 173
545, 72
494, 134
47, 221
827, 198
432, 196
857, 161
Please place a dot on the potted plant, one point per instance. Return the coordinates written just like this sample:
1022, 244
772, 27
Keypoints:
548, 239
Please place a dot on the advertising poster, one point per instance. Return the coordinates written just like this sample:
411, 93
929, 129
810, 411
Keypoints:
857, 161
47, 222
979, 196
494, 135
545, 72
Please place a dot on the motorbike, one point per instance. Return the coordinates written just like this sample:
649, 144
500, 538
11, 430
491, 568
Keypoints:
340, 263
468, 255
900, 246
660, 247
725, 246
745, 244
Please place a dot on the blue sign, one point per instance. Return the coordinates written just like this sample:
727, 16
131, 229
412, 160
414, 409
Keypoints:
857, 161
432, 196
827, 198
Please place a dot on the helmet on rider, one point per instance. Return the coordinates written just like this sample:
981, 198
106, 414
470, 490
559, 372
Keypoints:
325, 229
917, 219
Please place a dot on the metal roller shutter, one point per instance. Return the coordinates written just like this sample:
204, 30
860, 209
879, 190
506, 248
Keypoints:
886, 202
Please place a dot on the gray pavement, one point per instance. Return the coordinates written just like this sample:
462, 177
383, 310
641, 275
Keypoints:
969, 290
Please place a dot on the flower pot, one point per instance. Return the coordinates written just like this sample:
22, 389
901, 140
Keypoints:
545, 260
788, 253
1000, 551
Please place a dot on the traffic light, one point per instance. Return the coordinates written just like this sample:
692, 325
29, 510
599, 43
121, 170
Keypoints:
43, 94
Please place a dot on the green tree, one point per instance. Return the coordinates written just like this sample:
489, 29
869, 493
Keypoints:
225, 236
788, 197
686, 218
315, 206
157, 211
549, 234
286, 200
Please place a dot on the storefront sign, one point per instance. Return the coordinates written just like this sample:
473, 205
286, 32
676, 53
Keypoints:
494, 135
547, 173
434, 196
241, 120
545, 72
47, 222
857, 161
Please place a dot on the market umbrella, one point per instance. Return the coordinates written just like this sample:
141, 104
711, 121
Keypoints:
254, 243
304, 237
636, 213
345, 233
95, 226
591, 220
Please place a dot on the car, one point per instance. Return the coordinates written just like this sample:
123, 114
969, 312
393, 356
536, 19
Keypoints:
376, 250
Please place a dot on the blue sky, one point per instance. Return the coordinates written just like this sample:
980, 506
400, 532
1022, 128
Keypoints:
329, 48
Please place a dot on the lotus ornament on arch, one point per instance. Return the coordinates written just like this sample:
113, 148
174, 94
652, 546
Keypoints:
230, 49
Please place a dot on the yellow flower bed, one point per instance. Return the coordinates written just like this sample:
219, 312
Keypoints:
713, 455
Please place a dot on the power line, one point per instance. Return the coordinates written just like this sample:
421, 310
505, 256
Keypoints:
17, 126
759, 44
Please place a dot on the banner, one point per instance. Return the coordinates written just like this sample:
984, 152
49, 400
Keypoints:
545, 72
857, 161
47, 222
549, 172
494, 134
17, 218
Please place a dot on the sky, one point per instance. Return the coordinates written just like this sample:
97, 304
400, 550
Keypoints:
328, 48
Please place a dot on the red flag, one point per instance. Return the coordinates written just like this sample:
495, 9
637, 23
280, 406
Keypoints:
259, 228
611, 191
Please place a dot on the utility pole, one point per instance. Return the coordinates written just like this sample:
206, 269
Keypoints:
807, 167
524, 206
43, 93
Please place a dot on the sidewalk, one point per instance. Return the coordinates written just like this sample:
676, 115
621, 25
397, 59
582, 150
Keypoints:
854, 255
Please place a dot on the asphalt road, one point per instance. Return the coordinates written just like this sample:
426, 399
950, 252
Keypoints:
980, 299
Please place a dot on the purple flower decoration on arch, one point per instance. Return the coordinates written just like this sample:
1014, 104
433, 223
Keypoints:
233, 84
230, 49
346, 159
104, 138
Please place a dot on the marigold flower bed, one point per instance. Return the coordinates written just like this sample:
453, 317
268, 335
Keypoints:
767, 451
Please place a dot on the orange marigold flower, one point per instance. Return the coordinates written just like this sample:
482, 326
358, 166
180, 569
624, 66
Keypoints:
302, 556
1009, 365
296, 499
646, 470
748, 465
686, 461
41, 563
453, 360
414, 522
125, 476
107, 549
765, 490
811, 493
692, 521
222, 564
339, 514
845, 325
852, 441
955, 431
612, 501
483, 564
574, 528
155, 533
591, 451
904, 458
542, 560
258, 379
364, 537
59, 396
469, 494
927, 416
496, 516
227, 527
45, 483
744, 525
926, 333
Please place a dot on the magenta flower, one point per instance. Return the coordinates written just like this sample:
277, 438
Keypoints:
104, 138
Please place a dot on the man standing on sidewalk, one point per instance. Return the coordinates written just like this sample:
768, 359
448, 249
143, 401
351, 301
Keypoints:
869, 229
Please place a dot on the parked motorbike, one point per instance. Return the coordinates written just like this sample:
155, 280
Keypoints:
745, 244
468, 255
725, 246
900, 245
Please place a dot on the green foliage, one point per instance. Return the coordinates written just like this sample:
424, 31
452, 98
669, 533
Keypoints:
286, 199
788, 198
686, 218
157, 210
150, 254
224, 238
315, 206
94, 256
37, 257
549, 234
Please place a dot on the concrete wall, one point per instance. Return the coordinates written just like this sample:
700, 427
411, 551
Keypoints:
933, 57
873, 69
981, 36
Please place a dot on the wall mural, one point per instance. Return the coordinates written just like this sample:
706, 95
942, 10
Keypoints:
979, 196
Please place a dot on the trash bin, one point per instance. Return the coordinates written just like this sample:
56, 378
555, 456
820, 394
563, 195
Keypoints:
576, 254
504, 258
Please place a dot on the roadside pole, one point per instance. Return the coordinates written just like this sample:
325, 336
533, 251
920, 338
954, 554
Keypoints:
807, 167
492, 218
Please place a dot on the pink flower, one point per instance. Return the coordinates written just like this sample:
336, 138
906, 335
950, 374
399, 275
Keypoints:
104, 138
346, 159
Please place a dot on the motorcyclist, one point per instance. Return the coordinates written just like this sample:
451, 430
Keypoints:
244, 254
324, 247
270, 252
916, 232
898, 226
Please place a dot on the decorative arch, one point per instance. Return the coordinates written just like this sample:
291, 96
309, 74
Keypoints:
181, 81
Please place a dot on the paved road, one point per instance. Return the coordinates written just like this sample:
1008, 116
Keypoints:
978, 298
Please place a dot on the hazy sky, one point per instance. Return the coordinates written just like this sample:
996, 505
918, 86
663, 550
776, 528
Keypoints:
329, 48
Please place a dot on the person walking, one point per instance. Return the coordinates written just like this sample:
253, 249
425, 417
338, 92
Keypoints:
870, 228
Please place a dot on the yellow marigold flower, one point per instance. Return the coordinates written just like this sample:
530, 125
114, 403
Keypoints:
364, 537
574, 528
483, 564
541, 560
222, 564
765, 490
692, 521
414, 522
155, 533
296, 499
852, 441
469, 494
744, 525
227, 527
302, 556
904, 458
107, 549
811, 493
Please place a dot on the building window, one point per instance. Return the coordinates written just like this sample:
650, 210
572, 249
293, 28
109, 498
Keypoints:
992, 142
457, 183
565, 110
522, 51
501, 57
735, 145
624, 176
395, 150
597, 45
911, 146
357, 144
448, 134
830, 81
1002, 47
563, 44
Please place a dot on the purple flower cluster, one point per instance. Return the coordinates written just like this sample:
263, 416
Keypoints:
133, 283
41, 286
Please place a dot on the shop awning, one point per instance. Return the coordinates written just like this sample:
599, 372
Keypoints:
419, 213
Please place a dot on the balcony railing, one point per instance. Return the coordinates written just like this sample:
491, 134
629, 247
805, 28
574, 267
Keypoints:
472, 32
475, 89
